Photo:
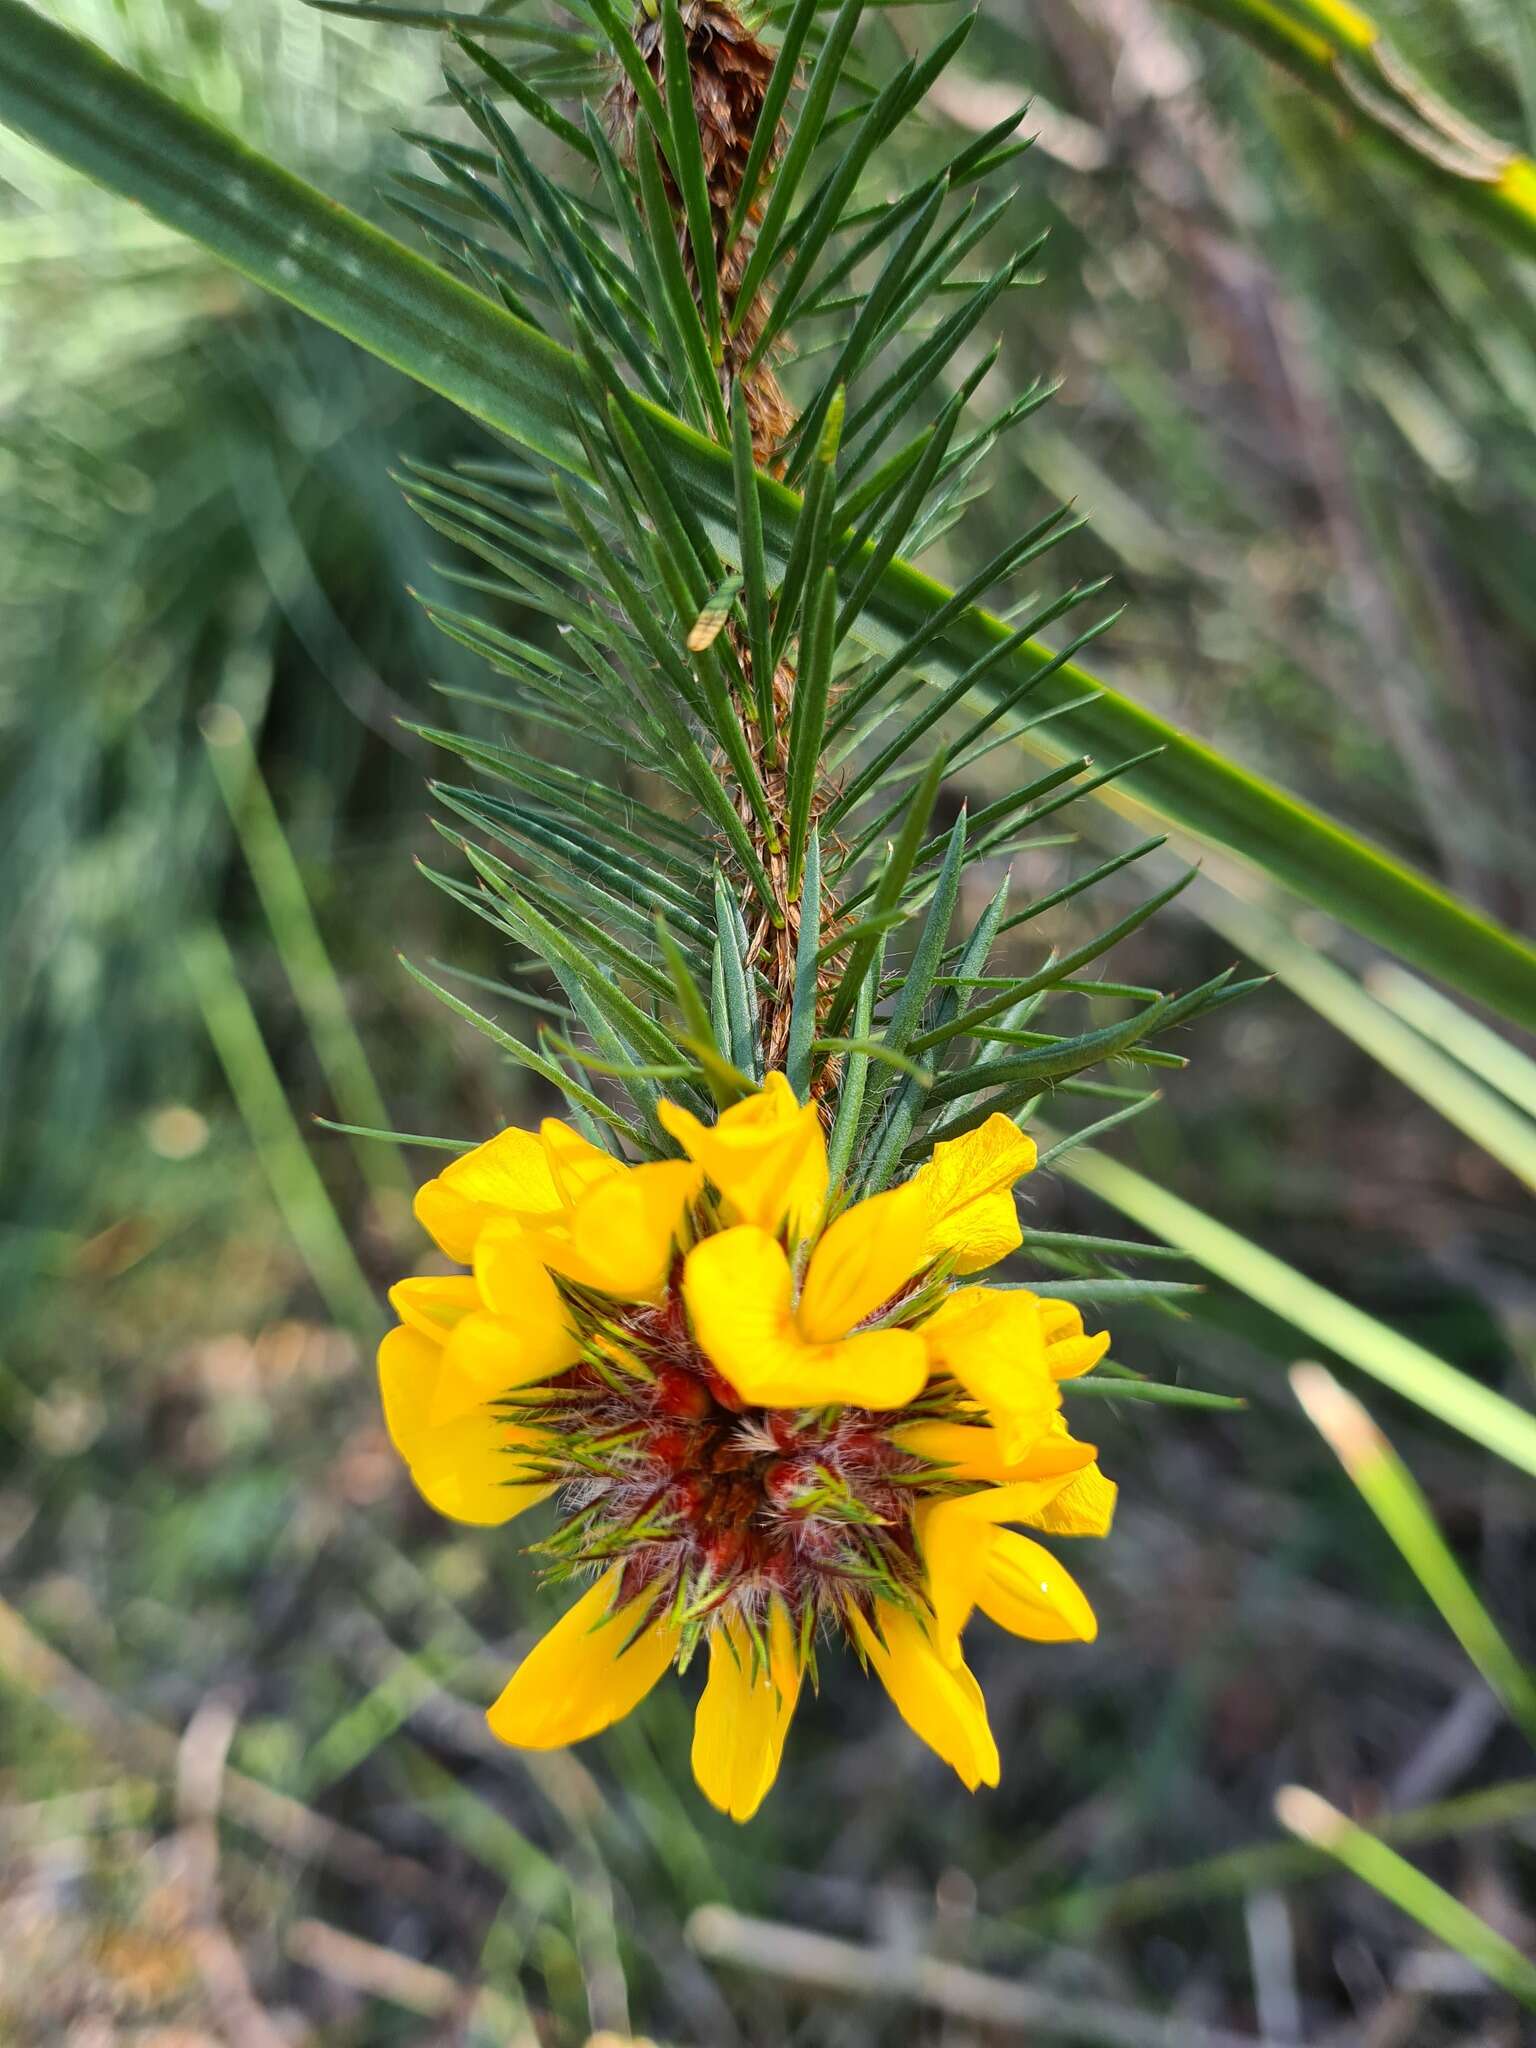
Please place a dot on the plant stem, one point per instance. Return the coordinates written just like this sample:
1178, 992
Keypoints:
1343, 56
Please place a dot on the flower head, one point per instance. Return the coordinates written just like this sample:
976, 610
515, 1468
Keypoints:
768, 1422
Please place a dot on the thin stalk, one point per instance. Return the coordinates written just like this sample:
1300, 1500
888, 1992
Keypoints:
296, 936
1389, 1490
259, 1096
1314, 1821
1342, 55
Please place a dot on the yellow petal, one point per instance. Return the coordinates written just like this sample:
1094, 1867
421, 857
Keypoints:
954, 1547
1085, 1506
1068, 1353
991, 1341
967, 1185
940, 1702
524, 1334
975, 1453
766, 1155
621, 1235
865, 1257
573, 1162
435, 1303
739, 1728
490, 1355
468, 1468
1024, 1590
509, 1174
581, 1677
739, 1291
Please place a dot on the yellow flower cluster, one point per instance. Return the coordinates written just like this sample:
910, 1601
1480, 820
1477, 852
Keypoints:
768, 1422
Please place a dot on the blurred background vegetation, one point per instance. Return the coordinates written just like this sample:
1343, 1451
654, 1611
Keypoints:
245, 1791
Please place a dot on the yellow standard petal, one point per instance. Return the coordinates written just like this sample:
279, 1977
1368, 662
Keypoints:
766, 1155
938, 1699
621, 1235
740, 1296
865, 1257
967, 1185
467, 1469
509, 1175
743, 1717
991, 1341
435, 1303
574, 1163
591, 1668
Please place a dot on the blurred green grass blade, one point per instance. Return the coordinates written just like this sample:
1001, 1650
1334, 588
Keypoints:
291, 239
1457, 1400
1314, 1821
1446, 1085
1501, 1065
259, 1096
1269, 1863
296, 936
1337, 50
1391, 1493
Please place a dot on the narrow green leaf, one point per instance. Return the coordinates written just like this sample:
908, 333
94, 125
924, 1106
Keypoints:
745, 1050
775, 94
532, 102
808, 717
888, 893
802, 1016
688, 162
1459, 1401
803, 139
685, 320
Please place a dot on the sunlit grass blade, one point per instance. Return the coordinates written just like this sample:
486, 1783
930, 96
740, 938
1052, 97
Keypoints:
1322, 1826
1448, 1086
1493, 1059
1389, 1490
1452, 1396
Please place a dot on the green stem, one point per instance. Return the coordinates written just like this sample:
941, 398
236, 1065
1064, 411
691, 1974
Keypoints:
1263, 1864
1343, 56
